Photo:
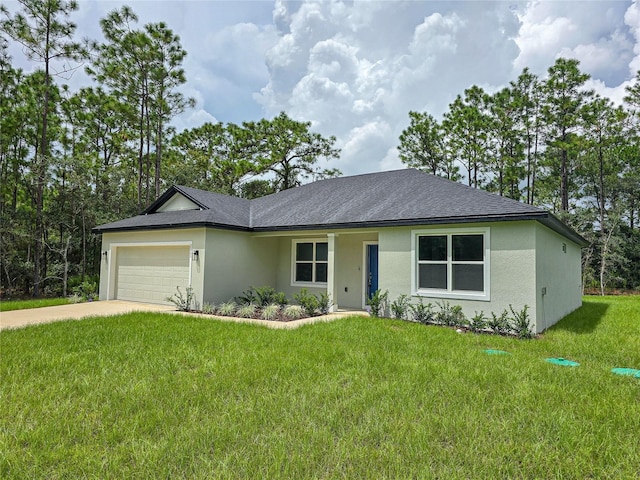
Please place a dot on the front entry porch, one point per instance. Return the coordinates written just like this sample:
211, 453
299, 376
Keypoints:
343, 264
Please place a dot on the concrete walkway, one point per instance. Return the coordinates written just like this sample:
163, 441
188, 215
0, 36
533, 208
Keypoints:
77, 311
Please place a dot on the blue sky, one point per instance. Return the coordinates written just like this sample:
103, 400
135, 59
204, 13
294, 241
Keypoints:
355, 69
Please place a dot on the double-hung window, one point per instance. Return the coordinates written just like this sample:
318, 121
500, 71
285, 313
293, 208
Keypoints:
452, 263
310, 260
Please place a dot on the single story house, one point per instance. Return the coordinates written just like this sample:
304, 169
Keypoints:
404, 231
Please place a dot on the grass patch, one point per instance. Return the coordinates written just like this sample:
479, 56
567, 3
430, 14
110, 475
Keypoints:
163, 396
7, 305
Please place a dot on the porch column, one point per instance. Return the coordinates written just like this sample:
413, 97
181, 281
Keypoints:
332, 288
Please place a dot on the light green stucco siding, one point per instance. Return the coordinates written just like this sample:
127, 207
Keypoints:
176, 203
194, 238
237, 261
349, 256
350, 268
558, 274
284, 259
512, 266
525, 259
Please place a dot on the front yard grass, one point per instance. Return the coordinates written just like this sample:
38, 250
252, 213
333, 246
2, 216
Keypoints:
166, 396
7, 305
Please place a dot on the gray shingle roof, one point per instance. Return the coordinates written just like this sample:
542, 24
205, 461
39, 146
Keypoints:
400, 197
215, 209
396, 197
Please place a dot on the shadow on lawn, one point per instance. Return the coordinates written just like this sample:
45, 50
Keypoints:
583, 320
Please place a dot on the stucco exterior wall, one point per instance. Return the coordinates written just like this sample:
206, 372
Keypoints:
526, 259
349, 252
284, 256
237, 261
350, 268
178, 202
111, 242
512, 266
558, 275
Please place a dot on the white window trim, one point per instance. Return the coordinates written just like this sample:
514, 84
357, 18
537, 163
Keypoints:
453, 294
294, 244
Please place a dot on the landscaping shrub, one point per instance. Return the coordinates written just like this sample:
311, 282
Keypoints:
451, 316
478, 322
499, 324
324, 303
182, 302
264, 296
208, 308
281, 299
87, 290
520, 323
400, 307
378, 302
246, 311
422, 313
227, 309
270, 312
247, 297
458, 317
293, 312
76, 298
307, 301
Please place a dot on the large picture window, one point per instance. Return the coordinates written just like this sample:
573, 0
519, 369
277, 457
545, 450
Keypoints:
452, 263
310, 260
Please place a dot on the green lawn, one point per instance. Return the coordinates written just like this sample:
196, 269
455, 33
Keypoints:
7, 305
166, 396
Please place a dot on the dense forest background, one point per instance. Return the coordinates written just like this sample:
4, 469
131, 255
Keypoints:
71, 160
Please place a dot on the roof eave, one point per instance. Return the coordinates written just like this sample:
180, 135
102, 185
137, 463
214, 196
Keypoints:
166, 226
405, 222
543, 217
558, 226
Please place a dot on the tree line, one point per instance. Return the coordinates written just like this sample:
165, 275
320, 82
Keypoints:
71, 160
550, 142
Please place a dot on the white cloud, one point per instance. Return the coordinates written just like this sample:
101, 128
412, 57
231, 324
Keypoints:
437, 34
632, 20
366, 144
593, 33
355, 69
193, 118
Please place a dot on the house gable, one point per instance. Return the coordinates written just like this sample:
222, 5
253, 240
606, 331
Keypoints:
177, 202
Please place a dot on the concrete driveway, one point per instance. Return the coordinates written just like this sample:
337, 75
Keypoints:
77, 311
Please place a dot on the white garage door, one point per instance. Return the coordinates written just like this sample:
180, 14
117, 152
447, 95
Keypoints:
151, 274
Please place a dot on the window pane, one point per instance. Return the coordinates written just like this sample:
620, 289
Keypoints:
432, 248
304, 251
304, 272
468, 248
468, 277
322, 251
321, 272
432, 276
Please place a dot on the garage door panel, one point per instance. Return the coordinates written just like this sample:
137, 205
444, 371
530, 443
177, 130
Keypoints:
151, 274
